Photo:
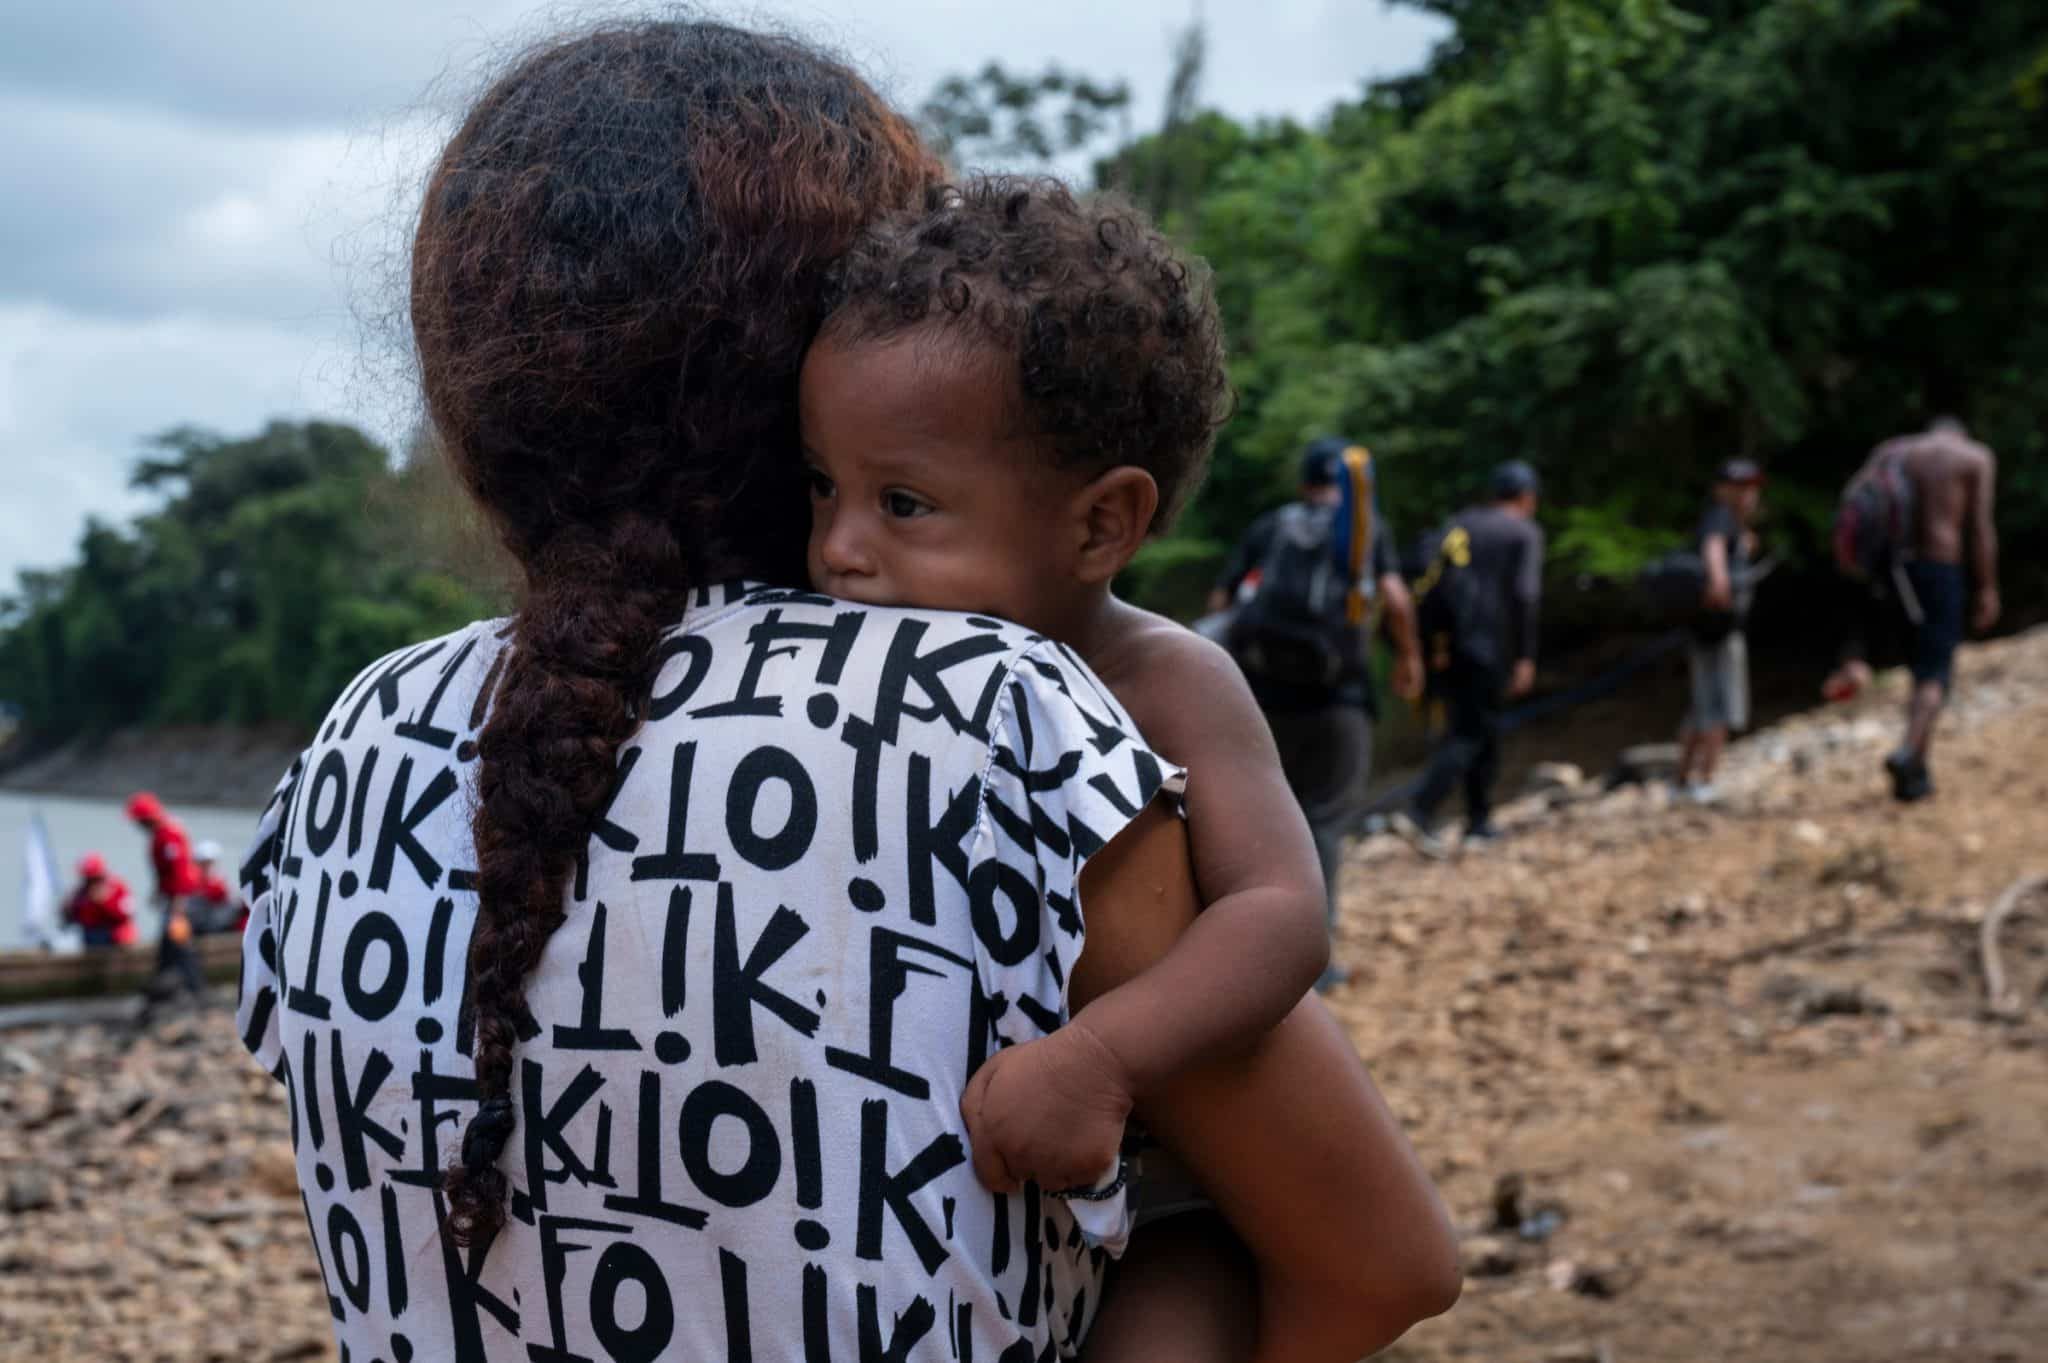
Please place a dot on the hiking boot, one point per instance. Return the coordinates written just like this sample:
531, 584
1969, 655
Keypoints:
1481, 836
1911, 781
1410, 830
1701, 793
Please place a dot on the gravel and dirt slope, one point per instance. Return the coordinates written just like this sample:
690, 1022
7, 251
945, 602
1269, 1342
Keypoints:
1731, 1071
1740, 1059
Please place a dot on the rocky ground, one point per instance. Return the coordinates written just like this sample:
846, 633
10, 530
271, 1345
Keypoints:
1698, 1084
150, 1206
1704, 1084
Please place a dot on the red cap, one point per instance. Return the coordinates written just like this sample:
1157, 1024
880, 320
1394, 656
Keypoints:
144, 807
91, 866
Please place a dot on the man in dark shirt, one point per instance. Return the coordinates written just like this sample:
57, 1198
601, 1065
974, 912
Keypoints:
1324, 733
1490, 657
1718, 653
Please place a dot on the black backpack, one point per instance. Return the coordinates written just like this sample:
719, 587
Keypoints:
1449, 604
1875, 522
1296, 628
1674, 586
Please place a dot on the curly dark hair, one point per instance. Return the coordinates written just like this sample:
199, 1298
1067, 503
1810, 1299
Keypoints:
621, 257
1119, 349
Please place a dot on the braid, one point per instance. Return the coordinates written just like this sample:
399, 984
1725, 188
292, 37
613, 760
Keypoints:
584, 650
620, 259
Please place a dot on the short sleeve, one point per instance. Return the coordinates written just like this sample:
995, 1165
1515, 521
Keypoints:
1716, 522
257, 989
1066, 772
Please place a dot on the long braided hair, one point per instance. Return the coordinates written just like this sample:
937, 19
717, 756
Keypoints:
619, 262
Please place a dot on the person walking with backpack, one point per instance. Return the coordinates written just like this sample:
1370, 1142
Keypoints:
1917, 526
1717, 651
1299, 579
1478, 609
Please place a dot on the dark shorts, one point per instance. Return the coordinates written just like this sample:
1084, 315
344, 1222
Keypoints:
1940, 589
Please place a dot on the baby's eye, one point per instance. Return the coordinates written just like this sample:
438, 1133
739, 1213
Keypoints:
821, 486
905, 505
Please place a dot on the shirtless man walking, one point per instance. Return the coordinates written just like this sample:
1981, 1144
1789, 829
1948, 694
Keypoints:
1954, 563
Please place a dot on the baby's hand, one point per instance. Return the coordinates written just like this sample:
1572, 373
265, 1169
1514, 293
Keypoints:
1050, 1111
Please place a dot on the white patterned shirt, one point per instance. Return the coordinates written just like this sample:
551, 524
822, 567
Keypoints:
838, 868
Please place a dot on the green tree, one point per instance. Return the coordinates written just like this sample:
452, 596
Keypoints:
1629, 238
996, 119
258, 587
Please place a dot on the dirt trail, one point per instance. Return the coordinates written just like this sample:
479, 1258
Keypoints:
1744, 1052
1740, 1059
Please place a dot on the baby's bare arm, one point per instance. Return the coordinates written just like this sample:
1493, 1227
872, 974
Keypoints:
1261, 941
1053, 1110
1303, 1158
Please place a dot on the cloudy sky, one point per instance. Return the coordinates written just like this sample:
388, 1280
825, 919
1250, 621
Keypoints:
199, 199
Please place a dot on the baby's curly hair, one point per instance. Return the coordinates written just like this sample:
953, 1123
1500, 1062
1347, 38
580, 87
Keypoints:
1119, 350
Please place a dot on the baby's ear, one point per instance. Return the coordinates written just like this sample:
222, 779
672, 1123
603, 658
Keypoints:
1115, 511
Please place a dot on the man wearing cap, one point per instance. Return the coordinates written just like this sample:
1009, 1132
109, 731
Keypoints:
1489, 656
1718, 653
1324, 733
170, 856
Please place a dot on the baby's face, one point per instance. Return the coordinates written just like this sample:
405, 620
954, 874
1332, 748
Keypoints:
919, 494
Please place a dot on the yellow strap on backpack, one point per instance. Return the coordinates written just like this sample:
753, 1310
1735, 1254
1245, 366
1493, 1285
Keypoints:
1358, 487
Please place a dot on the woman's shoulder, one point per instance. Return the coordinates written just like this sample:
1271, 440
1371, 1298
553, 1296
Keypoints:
412, 688
775, 651
756, 654
748, 607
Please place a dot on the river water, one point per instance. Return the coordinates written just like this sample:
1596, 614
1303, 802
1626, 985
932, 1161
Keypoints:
77, 827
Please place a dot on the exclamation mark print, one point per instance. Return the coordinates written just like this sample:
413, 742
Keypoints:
675, 945
671, 1047
361, 803
810, 1165
428, 1028
437, 950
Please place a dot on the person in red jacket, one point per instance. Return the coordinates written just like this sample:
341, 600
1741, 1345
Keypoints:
170, 850
99, 906
177, 879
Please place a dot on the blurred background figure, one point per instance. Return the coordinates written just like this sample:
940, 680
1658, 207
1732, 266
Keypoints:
99, 906
1480, 607
177, 879
1717, 652
215, 905
1305, 584
1918, 529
